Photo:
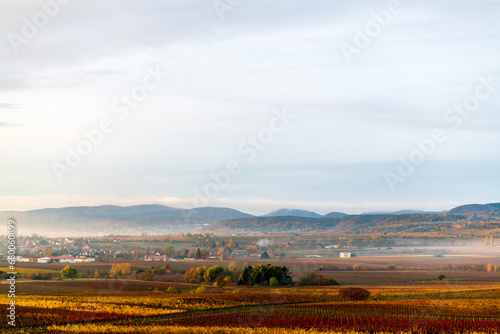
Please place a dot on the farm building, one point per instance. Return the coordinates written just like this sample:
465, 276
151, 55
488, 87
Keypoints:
57, 259
345, 254
63, 259
28, 258
85, 259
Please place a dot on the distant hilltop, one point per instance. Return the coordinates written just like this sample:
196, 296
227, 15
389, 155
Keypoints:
160, 219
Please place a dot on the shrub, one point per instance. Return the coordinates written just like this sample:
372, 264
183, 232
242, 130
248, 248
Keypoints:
354, 293
390, 266
42, 276
221, 282
171, 289
465, 267
273, 281
200, 290
328, 268
146, 276
441, 277
313, 279
357, 267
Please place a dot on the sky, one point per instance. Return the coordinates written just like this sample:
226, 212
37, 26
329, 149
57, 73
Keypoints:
347, 106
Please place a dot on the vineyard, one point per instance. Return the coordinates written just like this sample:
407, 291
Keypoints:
118, 309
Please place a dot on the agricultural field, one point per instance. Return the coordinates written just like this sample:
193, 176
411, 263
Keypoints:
422, 289
130, 306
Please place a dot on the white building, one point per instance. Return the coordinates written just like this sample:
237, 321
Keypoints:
44, 259
344, 254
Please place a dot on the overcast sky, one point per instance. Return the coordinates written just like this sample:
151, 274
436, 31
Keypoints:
354, 91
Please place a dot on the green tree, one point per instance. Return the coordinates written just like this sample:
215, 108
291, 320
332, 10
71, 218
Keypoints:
273, 281
68, 272
212, 273
197, 255
262, 273
246, 276
264, 255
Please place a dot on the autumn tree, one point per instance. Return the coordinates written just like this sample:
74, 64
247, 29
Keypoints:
48, 252
169, 251
68, 272
119, 269
191, 275
233, 266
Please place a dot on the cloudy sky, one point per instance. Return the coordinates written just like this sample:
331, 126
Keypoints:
256, 105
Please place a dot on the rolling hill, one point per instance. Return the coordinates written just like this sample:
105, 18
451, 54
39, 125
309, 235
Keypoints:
335, 215
108, 219
468, 217
477, 208
160, 219
293, 213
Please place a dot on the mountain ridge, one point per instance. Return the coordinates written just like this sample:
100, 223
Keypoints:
161, 219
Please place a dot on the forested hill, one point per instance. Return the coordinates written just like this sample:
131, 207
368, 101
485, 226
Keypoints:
358, 223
